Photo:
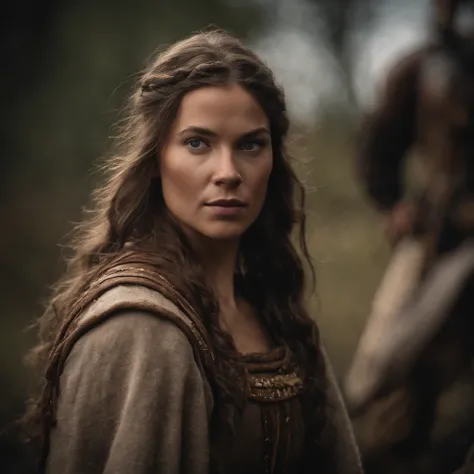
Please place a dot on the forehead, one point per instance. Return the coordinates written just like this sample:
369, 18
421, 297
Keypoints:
220, 108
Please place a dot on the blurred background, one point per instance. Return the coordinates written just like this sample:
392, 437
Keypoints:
67, 68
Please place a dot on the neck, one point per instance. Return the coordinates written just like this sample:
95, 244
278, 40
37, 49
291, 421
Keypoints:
219, 259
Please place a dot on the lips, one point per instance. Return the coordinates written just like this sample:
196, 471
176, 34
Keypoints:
227, 203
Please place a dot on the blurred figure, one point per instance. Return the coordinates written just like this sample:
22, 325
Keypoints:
417, 339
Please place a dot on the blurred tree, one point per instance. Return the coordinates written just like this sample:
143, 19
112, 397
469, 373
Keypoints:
342, 18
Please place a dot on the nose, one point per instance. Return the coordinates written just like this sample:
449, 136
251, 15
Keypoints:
227, 173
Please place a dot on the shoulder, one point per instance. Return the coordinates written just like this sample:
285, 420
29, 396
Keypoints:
133, 350
133, 319
131, 330
125, 297
126, 381
128, 349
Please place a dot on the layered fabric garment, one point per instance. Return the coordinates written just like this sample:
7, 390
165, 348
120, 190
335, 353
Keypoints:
135, 395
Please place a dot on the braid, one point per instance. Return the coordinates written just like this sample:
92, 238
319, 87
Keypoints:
202, 72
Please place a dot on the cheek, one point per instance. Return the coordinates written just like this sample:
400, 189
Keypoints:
178, 182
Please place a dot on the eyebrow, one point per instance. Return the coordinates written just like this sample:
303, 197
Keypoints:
210, 133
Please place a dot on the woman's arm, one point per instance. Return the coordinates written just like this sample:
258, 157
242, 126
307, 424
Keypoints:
132, 400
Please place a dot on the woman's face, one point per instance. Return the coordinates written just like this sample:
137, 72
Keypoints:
217, 160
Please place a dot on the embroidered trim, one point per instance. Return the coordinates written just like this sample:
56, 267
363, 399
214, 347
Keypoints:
274, 388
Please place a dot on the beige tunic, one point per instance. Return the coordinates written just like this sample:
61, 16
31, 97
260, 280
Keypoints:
133, 399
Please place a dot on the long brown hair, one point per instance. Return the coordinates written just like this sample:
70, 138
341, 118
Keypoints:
129, 213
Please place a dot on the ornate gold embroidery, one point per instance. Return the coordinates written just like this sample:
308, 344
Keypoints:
273, 388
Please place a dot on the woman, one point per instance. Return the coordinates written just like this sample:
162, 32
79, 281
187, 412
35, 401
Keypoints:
179, 341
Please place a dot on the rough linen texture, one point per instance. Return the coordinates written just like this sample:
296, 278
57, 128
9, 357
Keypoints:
134, 397
132, 401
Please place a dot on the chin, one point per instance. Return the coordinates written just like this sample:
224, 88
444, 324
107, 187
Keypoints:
227, 231
223, 235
